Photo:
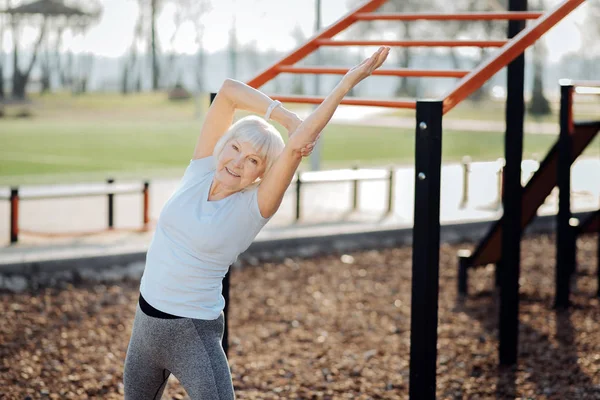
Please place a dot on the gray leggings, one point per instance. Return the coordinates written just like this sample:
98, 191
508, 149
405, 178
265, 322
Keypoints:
189, 348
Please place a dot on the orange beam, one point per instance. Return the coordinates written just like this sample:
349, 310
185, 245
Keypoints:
516, 15
311, 45
384, 72
509, 52
414, 43
349, 101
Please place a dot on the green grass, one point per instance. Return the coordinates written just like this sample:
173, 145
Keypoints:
93, 137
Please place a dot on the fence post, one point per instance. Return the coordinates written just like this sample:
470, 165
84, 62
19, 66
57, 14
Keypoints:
426, 246
146, 195
111, 204
355, 190
564, 233
298, 196
466, 164
14, 215
391, 191
500, 178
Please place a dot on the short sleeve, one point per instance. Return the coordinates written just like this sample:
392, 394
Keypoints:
197, 169
254, 209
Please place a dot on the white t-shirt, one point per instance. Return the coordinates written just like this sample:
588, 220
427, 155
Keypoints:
195, 242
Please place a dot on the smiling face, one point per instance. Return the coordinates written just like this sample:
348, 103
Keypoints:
239, 165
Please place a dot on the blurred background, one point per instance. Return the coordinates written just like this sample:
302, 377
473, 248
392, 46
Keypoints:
91, 87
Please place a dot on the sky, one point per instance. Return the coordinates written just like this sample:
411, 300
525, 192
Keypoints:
266, 22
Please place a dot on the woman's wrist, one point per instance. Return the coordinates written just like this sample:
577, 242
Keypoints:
284, 116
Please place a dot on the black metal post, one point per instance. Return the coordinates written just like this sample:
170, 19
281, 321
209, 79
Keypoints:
14, 215
225, 293
463, 274
298, 196
564, 233
111, 204
426, 244
511, 199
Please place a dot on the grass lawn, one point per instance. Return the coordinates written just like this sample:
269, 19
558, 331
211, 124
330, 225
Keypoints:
92, 137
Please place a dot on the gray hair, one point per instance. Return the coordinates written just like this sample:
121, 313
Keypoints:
257, 132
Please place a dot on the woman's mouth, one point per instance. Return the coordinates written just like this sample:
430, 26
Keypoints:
231, 173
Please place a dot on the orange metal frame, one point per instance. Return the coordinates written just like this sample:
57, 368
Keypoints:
469, 81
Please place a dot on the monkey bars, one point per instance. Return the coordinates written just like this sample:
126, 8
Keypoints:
470, 81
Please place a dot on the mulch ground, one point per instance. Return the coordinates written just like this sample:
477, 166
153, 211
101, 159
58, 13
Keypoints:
334, 327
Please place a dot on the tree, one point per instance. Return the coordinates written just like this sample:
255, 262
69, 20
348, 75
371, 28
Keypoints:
298, 81
40, 13
3, 18
21, 76
154, 5
590, 35
539, 104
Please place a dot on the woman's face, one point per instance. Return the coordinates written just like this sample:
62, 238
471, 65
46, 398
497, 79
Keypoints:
239, 165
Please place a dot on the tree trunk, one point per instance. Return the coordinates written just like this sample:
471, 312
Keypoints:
1, 82
539, 105
20, 79
200, 70
155, 69
405, 88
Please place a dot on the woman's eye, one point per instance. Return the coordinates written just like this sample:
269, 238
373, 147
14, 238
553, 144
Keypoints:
234, 147
253, 161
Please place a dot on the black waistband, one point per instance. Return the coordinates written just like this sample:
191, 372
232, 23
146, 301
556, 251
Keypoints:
153, 312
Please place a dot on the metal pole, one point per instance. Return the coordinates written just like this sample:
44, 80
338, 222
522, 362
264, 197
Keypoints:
298, 196
512, 199
146, 196
563, 230
466, 164
225, 293
426, 245
391, 190
14, 215
500, 179
355, 190
111, 204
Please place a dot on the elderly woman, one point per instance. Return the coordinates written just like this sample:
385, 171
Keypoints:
231, 188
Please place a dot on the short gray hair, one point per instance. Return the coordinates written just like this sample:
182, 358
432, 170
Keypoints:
257, 132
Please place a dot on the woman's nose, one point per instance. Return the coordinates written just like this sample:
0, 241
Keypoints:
239, 162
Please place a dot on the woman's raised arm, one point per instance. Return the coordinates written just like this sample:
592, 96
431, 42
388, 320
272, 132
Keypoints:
277, 180
231, 96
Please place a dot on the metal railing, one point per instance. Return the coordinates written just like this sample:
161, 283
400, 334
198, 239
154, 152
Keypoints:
109, 189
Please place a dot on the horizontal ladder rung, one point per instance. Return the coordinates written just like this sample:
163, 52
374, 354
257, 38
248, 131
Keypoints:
516, 15
384, 72
413, 43
349, 101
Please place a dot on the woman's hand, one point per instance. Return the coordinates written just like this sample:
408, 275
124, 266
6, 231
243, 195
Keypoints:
301, 148
366, 68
